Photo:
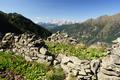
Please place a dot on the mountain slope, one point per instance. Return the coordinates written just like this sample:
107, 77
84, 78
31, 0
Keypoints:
101, 29
17, 23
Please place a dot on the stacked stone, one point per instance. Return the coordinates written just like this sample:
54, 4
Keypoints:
31, 47
62, 37
80, 69
110, 66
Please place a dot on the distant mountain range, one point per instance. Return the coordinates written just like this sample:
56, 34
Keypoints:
56, 23
16, 23
102, 29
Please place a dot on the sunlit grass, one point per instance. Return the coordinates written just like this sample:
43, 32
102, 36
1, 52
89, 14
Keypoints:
79, 51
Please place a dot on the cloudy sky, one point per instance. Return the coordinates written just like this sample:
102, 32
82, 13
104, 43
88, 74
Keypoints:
45, 10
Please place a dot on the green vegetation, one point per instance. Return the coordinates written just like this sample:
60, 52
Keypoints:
28, 70
79, 51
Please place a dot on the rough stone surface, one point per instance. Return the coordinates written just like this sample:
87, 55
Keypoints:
31, 47
110, 66
75, 67
95, 64
62, 37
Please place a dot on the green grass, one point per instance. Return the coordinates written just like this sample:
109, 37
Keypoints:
81, 52
28, 70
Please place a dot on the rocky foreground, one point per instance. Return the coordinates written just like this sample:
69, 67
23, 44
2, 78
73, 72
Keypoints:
33, 48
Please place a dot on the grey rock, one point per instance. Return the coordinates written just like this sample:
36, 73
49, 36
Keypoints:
41, 56
75, 60
43, 50
110, 60
64, 59
80, 77
34, 58
87, 77
111, 73
82, 72
71, 65
95, 64
39, 60
87, 70
56, 62
66, 68
62, 37
57, 66
27, 58
102, 76
69, 76
1, 50
117, 40
33, 51
50, 58
8, 36
85, 66
75, 72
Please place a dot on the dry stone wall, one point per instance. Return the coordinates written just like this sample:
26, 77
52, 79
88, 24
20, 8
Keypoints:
33, 48
62, 37
110, 66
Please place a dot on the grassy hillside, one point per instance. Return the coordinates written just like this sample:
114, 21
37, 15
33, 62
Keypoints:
102, 29
13, 22
14, 67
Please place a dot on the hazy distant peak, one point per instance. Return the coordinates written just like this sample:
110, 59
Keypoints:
62, 22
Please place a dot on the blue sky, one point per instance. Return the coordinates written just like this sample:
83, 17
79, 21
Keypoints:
44, 10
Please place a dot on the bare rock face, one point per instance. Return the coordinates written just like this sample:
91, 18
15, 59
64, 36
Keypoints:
31, 47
